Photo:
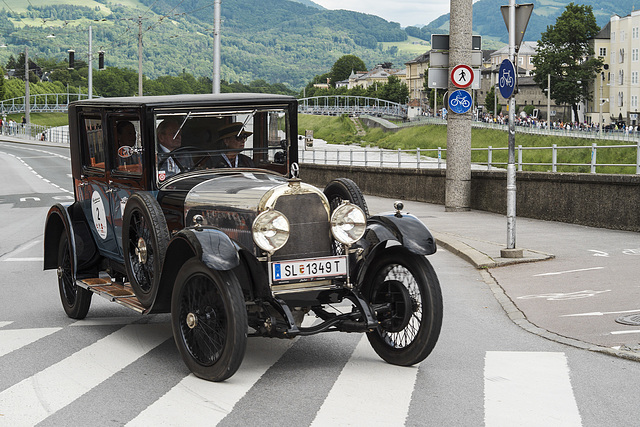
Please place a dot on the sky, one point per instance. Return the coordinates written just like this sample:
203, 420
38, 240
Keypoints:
406, 12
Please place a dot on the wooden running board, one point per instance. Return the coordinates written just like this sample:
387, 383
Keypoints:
122, 293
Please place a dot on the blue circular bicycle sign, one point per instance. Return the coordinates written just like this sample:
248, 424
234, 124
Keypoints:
506, 78
460, 101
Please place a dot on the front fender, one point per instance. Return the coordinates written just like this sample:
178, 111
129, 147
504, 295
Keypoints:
405, 229
211, 246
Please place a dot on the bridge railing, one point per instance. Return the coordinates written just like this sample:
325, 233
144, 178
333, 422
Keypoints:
343, 104
33, 132
41, 103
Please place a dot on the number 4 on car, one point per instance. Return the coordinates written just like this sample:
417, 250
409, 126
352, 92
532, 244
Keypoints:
192, 205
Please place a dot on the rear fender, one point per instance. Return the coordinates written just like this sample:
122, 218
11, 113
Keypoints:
211, 246
58, 221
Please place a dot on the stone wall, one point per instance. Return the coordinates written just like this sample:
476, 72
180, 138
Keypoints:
597, 200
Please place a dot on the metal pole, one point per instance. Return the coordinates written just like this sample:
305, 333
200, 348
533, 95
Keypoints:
90, 65
26, 85
458, 172
600, 109
216, 46
139, 55
548, 101
511, 167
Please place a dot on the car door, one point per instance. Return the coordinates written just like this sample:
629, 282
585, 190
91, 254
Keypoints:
125, 172
94, 189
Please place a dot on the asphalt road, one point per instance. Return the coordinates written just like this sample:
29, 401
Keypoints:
119, 368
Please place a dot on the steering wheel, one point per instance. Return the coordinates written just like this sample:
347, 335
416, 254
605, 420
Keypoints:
182, 150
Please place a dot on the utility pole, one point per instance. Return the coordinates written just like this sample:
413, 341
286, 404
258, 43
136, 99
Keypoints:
139, 55
90, 78
548, 101
27, 107
216, 46
458, 174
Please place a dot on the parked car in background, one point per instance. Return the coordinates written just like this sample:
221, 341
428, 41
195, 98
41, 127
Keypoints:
193, 205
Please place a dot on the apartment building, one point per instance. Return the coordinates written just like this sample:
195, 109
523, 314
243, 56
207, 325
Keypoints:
624, 68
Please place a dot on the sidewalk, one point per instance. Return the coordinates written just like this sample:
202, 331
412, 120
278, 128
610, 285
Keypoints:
576, 296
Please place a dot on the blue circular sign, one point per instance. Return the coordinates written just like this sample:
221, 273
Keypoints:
506, 78
460, 101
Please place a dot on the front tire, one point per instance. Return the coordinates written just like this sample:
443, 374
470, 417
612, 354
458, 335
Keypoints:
404, 289
75, 300
145, 237
209, 320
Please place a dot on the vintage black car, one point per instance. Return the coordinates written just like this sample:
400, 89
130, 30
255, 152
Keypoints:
193, 205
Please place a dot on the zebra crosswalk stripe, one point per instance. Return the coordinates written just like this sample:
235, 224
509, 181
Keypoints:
358, 387
34, 399
13, 339
529, 389
195, 402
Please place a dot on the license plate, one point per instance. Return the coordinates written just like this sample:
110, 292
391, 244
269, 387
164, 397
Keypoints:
303, 270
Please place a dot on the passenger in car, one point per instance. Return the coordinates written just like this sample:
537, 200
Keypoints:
170, 139
232, 137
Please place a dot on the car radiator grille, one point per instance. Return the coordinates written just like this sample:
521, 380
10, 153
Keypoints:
310, 235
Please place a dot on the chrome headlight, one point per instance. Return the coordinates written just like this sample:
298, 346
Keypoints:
348, 223
270, 230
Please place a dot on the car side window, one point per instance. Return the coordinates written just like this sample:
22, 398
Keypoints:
127, 153
93, 141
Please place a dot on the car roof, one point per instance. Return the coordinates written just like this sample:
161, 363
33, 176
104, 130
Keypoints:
185, 100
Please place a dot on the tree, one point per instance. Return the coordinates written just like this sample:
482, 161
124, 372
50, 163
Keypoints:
394, 90
489, 101
565, 53
343, 67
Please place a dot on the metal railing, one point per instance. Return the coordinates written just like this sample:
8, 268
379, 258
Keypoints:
33, 132
435, 157
352, 105
41, 103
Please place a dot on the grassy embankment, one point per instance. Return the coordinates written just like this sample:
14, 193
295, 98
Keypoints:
44, 119
342, 130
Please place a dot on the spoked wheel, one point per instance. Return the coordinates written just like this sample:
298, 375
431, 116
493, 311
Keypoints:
209, 320
145, 237
344, 189
75, 300
404, 290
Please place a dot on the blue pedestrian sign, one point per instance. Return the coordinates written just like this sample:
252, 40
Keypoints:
506, 78
460, 101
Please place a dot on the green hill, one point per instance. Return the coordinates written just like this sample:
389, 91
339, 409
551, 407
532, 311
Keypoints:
279, 41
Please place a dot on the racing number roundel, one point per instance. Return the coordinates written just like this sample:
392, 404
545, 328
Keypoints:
462, 76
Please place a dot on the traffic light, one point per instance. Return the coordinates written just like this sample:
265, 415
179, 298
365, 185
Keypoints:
101, 60
71, 58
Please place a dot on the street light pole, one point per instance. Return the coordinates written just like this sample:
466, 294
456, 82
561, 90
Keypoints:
90, 77
139, 55
26, 86
548, 101
216, 46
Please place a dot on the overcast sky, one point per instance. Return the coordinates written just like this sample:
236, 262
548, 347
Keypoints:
406, 12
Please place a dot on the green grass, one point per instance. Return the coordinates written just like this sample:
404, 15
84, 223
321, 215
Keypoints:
43, 119
412, 46
337, 130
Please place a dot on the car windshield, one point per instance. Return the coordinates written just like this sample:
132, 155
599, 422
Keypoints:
196, 140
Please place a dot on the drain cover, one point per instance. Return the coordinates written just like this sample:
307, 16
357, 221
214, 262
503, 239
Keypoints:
632, 320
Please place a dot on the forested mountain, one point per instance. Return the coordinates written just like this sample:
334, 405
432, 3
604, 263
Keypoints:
280, 41
274, 40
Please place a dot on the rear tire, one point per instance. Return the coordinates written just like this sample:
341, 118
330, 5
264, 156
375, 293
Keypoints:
75, 300
345, 189
209, 320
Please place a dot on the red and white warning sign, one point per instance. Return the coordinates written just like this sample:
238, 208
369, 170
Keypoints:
462, 76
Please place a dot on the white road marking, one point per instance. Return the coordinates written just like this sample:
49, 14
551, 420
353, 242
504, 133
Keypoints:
600, 313
568, 271
637, 331
196, 402
24, 247
528, 389
32, 259
353, 386
106, 321
599, 253
13, 339
558, 296
3, 324
35, 398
